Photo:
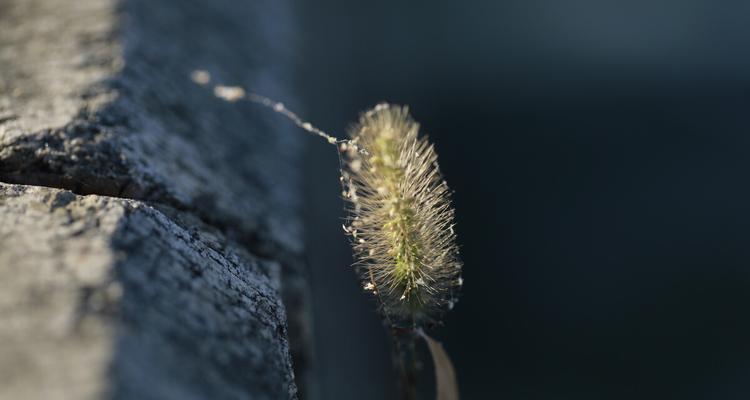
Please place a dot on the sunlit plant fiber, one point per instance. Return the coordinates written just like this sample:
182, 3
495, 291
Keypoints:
401, 217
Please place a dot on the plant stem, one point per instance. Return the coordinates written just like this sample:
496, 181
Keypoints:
404, 357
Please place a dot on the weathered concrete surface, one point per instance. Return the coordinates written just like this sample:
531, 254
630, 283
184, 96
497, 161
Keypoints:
104, 296
95, 97
100, 102
53, 258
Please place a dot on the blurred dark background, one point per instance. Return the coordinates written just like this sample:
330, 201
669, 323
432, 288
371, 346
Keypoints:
599, 155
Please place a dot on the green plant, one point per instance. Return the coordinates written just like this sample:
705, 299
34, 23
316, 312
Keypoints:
400, 224
401, 220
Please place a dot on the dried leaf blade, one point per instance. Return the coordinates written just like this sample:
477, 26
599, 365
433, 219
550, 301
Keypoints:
445, 374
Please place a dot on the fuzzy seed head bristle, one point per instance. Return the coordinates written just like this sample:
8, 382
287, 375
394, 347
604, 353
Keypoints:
405, 245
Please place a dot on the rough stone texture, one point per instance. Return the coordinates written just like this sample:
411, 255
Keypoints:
114, 112
101, 293
55, 338
95, 97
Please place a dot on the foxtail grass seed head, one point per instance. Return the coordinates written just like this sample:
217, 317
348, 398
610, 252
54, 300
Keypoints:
400, 223
401, 218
